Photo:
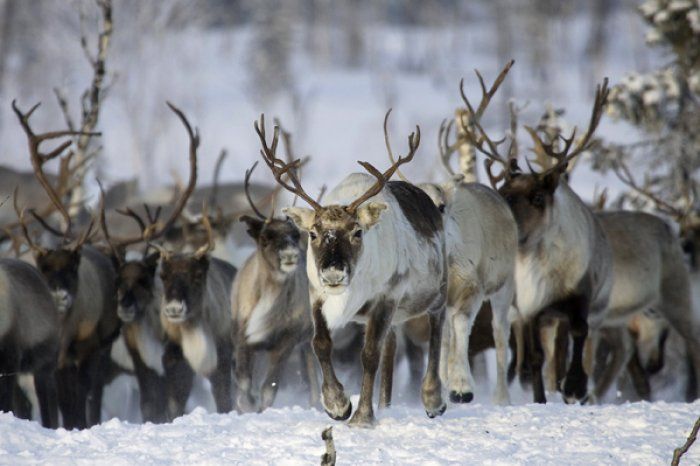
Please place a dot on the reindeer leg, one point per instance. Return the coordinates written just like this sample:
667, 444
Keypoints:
640, 379
245, 402
310, 374
387, 375
576, 381
152, 397
416, 363
621, 354
376, 329
278, 358
535, 358
70, 397
334, 401
431, 391
221, 378
179, 377
46, 392
93, 373
500, 304
461, 382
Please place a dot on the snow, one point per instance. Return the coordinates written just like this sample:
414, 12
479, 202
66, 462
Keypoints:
637, 433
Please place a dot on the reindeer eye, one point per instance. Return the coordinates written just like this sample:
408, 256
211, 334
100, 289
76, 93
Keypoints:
441, 208
357, 234
312, 235
538, 200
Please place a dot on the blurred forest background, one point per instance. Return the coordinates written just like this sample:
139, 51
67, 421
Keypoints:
329, 69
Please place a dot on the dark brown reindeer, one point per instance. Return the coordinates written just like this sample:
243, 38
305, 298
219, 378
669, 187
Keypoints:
81, 280
29, 338
563, 265
270, 306
376, 254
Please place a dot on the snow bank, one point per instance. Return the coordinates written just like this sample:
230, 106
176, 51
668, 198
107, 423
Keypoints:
638, 433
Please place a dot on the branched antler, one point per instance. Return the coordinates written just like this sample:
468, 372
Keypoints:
278, 167
566, 154
38, 158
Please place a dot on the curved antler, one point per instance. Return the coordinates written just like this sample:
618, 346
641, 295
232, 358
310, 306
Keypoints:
246, 188
566, 154
209, 246
20, 215
280, 168
38, 159
383, 178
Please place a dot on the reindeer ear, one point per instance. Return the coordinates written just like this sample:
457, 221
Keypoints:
550, 181
368, 214
303, 218
255, 225
152, 260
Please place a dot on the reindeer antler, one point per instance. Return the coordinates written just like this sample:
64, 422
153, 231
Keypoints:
209, 246
566, 154
246, 186
38, 158
278, 167
25, 231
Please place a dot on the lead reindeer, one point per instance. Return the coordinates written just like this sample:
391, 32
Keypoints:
81, 280
563, 265
270, 306
376, 254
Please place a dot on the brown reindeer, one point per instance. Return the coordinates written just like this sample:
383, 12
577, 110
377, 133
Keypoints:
81, 280
270, 306
563, 265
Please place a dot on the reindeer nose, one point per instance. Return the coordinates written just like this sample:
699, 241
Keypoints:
289, 256
62, 300
333, 276
126, 313
175, 311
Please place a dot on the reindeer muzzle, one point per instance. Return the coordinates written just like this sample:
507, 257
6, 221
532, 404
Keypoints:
175, 311
289, 259
334, 280
63, 300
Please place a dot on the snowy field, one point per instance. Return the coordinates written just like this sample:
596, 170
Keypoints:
637, 433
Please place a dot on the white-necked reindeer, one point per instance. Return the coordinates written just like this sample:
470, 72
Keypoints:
376, 254
563, 265
270, 306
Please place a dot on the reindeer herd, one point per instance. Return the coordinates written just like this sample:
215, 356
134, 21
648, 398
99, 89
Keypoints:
524, 266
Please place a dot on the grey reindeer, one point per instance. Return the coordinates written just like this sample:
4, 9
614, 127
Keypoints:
29, 337
564, 262
376, 255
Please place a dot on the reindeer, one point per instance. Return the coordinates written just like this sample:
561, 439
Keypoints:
270, 305
81, 280
563, 265
140, 292
376, 254
29, 337
481, 258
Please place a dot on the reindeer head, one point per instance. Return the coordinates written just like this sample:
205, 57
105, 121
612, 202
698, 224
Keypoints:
529, 195
184, 278
336, 231
136, 287
650, 332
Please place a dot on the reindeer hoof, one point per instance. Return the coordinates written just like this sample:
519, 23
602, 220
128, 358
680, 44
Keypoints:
363, 422
438, 412
342, 417
457, 397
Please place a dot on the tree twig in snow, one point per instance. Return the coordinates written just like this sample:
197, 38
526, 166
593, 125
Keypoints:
679, 452
328, 458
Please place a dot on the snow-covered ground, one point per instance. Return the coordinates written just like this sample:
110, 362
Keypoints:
637, 433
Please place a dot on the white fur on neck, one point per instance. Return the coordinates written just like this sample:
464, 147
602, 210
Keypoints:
543, 277
120, 354
199, 349
151, 349
258, 327
389, 247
